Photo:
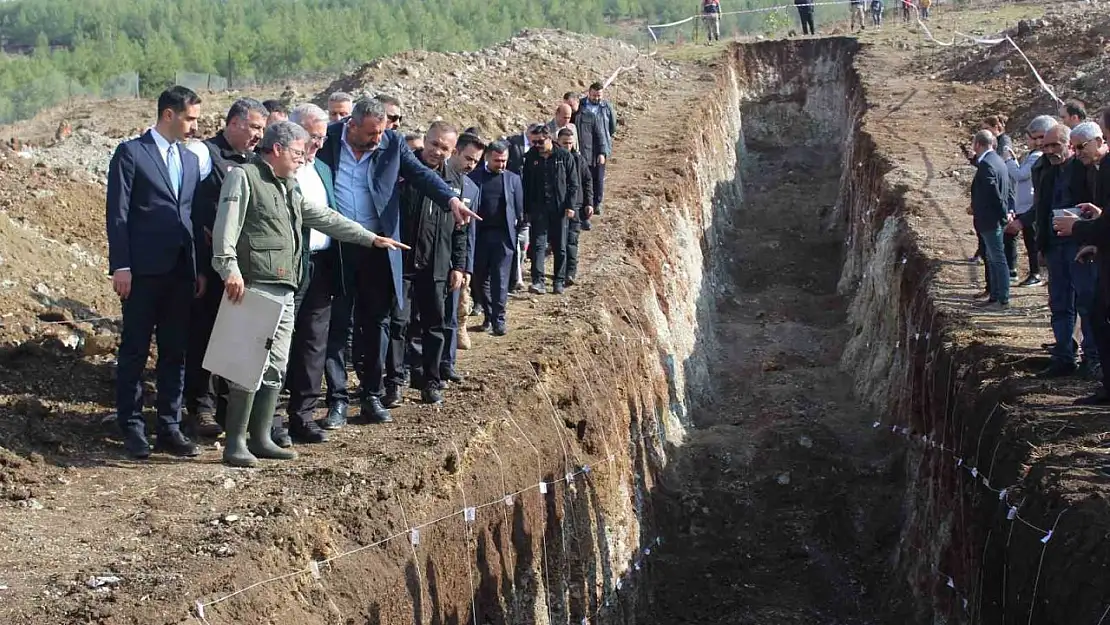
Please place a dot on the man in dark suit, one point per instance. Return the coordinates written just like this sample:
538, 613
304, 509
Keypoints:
366, 161
467, 156
568, 141
596, 104
206, 394
592, 144
501, 207
991, 192
152, 256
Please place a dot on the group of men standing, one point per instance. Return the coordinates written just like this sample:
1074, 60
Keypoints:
1054, 197
370, 247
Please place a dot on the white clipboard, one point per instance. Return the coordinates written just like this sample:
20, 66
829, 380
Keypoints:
241, 338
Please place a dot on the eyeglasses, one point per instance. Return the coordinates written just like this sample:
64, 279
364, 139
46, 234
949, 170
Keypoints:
295, 152
318, 139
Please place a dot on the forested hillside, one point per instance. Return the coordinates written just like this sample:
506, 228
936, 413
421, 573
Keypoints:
59, 48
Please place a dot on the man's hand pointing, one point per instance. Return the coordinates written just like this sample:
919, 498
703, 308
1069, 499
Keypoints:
462, 214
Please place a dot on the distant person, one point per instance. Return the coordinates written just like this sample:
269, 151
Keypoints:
501, 206
711, 15
571, 98
206, 394
805, 16
924, 6
855, 12
261, 203
568, 141
550, 192
1073, 113
595, 103
392, 110
877, 8
152, 253
277, 111
340, 105
907, 11
415, 141
990, 209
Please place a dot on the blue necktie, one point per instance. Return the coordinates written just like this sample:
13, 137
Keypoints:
173, 165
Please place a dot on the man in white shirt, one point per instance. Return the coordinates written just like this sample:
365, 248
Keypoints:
322, 282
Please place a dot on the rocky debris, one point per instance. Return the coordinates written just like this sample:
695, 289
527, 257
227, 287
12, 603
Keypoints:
505, 87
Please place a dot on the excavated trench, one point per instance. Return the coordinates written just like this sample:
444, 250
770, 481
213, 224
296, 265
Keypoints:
718, 463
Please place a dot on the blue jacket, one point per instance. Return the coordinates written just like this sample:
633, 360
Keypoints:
514, 201
991, 192
393, 161
147, 225
608, 122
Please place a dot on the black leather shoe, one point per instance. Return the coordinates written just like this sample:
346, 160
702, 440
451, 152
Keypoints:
1057, 369
337, 416
1099, 398
484, 327
176, 444
431, 394
374, 412
308, 432
392, 397
500, 330
136, 446
559, 288
281, 437
450, 375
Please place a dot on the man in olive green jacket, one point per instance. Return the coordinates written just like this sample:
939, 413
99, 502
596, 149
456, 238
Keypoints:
257, 245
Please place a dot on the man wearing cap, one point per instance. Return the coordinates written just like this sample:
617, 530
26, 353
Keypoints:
550, 188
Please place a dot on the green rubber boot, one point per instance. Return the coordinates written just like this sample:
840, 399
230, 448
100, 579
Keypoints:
238, 415
261, 443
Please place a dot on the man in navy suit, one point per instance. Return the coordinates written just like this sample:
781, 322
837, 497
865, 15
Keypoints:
991, 190
152, 257
501, 208
366, 160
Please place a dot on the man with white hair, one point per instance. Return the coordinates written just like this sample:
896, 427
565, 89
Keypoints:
339, 105
1072, 280
1022, 174
990, 203
1093, 233
322, 281
262, 208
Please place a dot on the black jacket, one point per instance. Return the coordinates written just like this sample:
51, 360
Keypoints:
516, 154
591, 135
1044, 183
564, 181
430, 231
992, 192
585, 184
224, 157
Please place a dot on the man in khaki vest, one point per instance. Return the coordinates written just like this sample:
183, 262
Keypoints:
257, 245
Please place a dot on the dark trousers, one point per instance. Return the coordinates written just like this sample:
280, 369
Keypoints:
159, 306
1071, 290
451, 323
374, 303
426, 296
998, 271
204, 392
805, 14
1029, 237
309, 346
1009, 251
1100, 322
574, 230
549, 229
339, 348
493, 266
597, 172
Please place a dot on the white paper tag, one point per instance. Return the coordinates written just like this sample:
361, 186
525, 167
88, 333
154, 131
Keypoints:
959, 462
543, 488
314, 568
200, 609
1002, 494
470, 514
951, 584
1011, 514
1047, 537
974, 472
570, 478
509, 500
876, 424
414, 536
